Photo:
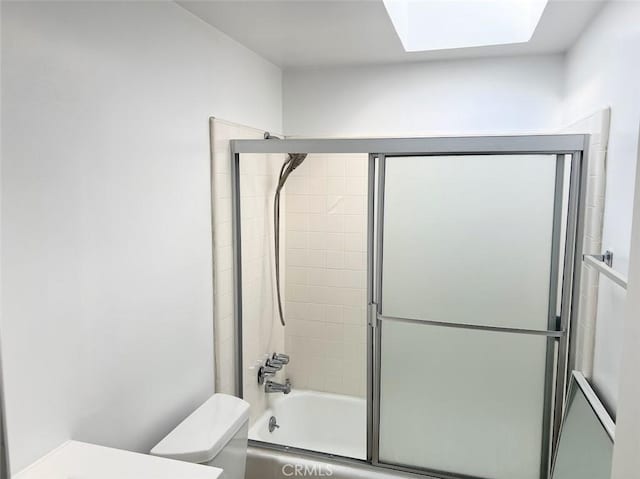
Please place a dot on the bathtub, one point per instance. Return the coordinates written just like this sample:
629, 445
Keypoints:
316, 421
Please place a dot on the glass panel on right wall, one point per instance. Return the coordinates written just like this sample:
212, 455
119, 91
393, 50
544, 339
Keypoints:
467, 239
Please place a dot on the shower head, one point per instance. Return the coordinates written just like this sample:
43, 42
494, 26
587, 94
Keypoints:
291, 163
296, 160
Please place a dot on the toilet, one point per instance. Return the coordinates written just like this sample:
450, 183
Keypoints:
215, 434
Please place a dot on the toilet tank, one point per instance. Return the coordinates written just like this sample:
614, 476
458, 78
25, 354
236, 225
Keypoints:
214, 434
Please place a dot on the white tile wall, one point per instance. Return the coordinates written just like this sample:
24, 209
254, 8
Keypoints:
326, 274
221, 132
263, 333
597, 125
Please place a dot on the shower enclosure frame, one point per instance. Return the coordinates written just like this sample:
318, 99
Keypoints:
573, 147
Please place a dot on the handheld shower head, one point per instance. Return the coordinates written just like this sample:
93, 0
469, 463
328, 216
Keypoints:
296, 159
291, 163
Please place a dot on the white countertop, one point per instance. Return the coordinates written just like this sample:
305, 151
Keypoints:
79, 460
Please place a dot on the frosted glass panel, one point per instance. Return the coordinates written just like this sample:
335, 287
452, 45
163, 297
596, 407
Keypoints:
467, 239
462, 401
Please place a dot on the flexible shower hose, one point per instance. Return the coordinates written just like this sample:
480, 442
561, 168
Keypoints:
276, 237
291, 163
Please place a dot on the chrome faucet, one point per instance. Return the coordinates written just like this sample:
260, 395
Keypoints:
274, 363
273, 387
281, 358
270, 368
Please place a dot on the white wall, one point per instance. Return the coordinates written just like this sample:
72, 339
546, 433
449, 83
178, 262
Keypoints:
626, 460
495, 95
106, 226
602, 70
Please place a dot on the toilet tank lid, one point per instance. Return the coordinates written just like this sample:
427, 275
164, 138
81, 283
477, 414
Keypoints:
202, 435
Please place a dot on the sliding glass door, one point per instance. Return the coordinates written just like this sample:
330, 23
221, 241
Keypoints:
471, 273
469, 260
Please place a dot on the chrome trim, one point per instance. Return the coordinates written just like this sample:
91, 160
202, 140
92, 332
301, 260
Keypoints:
516, 144
371, 311
476, 327
377, 331
581, 157
273, 424
570, 282
237, 268
606, 257
214, 278
603, 268
380, 232
552, 323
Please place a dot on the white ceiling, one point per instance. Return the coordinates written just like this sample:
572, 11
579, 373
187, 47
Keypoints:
306, 33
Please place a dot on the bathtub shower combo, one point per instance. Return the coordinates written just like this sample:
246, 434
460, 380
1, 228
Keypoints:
458, 305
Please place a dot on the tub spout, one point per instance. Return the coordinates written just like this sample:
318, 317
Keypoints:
273, 387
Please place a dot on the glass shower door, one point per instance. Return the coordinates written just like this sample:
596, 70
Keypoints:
469, 257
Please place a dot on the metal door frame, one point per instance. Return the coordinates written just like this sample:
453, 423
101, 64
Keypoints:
557, 324
574, 146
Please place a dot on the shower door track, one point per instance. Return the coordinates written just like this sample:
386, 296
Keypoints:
558, 333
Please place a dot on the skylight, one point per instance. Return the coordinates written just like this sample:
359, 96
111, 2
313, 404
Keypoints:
444, 24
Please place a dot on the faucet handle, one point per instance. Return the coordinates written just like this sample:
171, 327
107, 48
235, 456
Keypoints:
274, 363
283, 358
265, 372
